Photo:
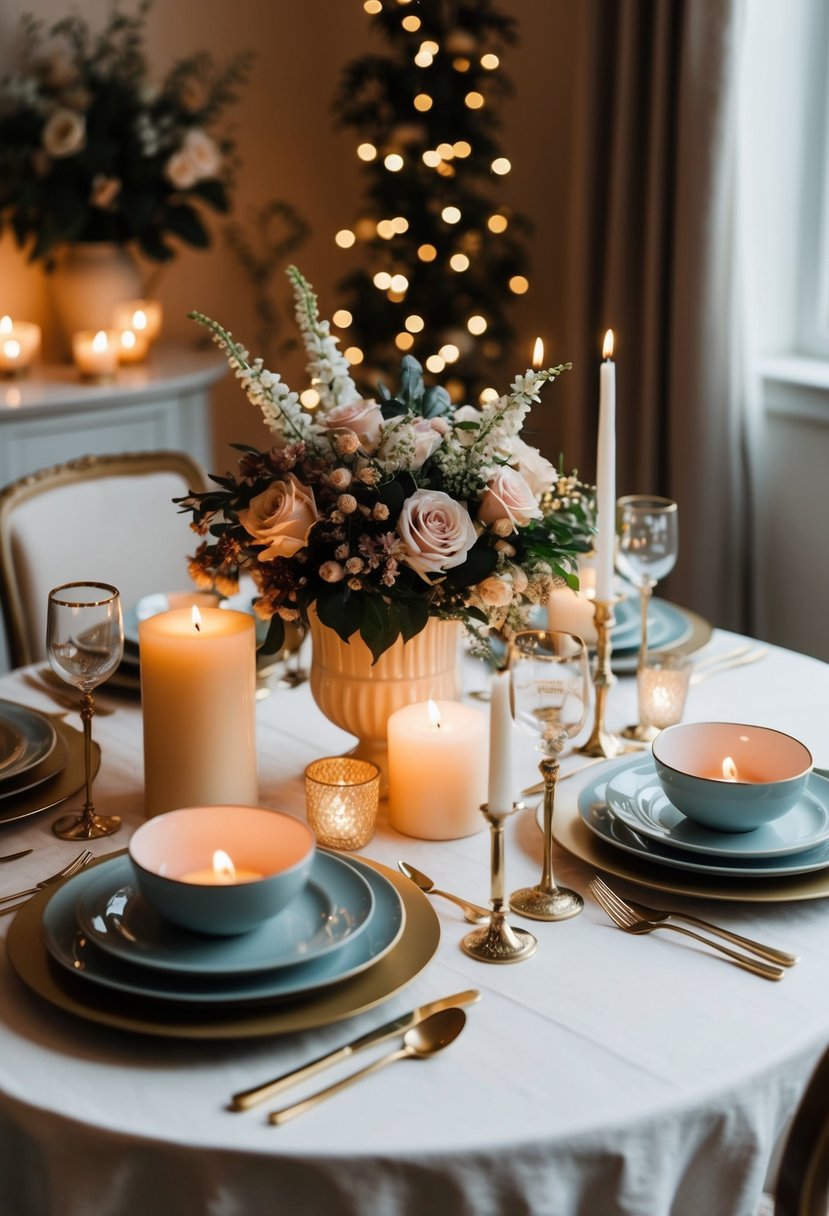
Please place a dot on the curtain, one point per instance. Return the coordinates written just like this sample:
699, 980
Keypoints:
653, 255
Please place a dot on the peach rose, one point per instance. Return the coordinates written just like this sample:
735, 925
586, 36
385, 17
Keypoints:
508, 497
363, 417
280, 517
436, 531
495, 592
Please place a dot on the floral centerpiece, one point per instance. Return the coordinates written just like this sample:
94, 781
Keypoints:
91, 149
383, 513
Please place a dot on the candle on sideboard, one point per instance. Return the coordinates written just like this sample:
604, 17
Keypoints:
19, 345
606, 474
500, 786
142, 316
132, 346
198, 685
437, 773
95, 353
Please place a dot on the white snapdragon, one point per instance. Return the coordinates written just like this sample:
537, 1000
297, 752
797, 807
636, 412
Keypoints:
328, 368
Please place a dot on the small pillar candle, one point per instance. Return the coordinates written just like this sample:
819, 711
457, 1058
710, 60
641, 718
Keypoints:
19, 345
198, 686
141, 316
437, 770
132, 346
96, 353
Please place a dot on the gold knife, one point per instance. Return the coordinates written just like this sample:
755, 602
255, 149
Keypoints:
250, 1097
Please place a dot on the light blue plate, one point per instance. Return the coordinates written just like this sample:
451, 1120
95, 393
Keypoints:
606, 824
30, 738
332, 909
636, 797
72, 950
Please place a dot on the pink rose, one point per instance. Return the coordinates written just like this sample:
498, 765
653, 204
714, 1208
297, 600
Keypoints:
280, 517
536, 469
436, 531
408, 444
508, 497
363, 417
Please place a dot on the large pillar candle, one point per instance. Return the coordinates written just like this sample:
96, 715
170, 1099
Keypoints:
198, 685
606, 474
437, 770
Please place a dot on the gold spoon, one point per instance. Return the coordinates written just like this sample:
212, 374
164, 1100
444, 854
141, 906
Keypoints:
474, 913
426, 1039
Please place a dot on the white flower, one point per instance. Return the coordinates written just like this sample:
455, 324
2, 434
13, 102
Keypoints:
436, 530
508, 497
181, 171
408, 442
536, 470
64, 133
204, 153
466, 413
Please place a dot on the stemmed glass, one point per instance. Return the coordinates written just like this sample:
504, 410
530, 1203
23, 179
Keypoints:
550, 682
85, 643
647, 551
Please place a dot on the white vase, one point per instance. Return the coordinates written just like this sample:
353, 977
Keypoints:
360, 697
88, 280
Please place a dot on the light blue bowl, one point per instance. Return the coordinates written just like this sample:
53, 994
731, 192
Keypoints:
169, 851
771, 771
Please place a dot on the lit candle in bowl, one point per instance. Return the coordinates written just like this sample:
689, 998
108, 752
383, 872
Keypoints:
437, 770
19, 345
96, 353
142, 316
221, 873
198, 685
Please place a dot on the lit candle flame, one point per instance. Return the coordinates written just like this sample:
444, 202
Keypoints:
223, 866
12, 348
139, 319
607, 348
538, 354
729, 770
196, 615
128, 339
99, 342
434, 714
5, 324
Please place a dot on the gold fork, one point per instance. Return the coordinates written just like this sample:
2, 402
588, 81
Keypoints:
623, 915
72, 867
782, 957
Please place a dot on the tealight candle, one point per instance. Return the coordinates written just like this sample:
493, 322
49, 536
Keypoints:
141, 316
96, 353
222, 873
198, 687
19, 345
133, 346
342, 795
437, 770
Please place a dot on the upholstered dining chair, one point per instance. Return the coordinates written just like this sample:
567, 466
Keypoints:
802, 1183
103, 518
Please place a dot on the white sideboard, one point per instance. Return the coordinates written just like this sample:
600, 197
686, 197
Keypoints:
51, 415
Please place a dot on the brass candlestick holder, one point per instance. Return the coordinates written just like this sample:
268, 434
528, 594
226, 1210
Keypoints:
602, 742
546, 900
498, 942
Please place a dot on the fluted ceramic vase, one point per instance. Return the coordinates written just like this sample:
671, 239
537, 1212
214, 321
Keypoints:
360, 697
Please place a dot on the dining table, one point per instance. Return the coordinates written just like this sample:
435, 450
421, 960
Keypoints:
608, 1073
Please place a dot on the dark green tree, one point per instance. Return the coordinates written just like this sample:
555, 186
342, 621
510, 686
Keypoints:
439, 253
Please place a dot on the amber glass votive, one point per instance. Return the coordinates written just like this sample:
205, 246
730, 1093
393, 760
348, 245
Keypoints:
341, 797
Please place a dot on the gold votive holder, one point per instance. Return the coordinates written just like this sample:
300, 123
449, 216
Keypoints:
662, 684
341, 798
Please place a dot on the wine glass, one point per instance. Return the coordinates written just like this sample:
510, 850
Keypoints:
550, 683
647, 552
85, 643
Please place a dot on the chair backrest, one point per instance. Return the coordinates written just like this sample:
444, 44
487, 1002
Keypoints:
103, 518
802, 1185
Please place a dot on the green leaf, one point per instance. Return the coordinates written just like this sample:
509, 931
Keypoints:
340, 610
410, 392
184, 222
275, 637
436, 402
214, 193
378, 630
480, 562
411, 616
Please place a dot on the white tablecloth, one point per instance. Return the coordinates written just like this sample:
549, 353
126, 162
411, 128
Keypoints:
607, 1074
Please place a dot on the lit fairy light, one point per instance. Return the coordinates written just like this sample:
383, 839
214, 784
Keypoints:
497, 223
431, 158
345, 238
490, 62
459, 262
474, 100
309, 398
501, 166
404, 341
342, 318
451, 215
414, 323
382, 280
488, 395
435, 363
519, 285
393, 162
477, 324
427, 253
354, 355
423, 102
367, 152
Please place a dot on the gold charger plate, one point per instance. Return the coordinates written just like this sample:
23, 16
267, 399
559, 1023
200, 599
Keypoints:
68, 778
417, 945
570, 832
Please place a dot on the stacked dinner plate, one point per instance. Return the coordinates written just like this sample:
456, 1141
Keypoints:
669, 628
41, 761
352, 937
642, 835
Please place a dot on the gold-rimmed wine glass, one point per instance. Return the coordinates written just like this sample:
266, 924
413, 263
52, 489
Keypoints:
550, 682
85, 644
647, 551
